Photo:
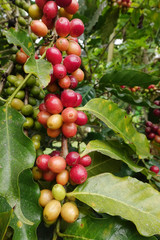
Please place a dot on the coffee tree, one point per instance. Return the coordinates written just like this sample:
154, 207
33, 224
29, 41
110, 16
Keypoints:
79, 120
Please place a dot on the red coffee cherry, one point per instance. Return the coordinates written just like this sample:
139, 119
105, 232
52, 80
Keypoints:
62, 44
57, 164
53, 55
42, 162
157, 139
54, 105
42, 117
154, 169
72, 158
59, 71
62, 27
63, 3
74, 48
50, 9
81, 118
55, 153
85, 160
78, 174
73, 82
69, 129
48, 22
41, 3
72, 63
69, 115
49, 95
77, 27
151, 136
149, 124
49, 176
21, 57
73, 7
79, 100
78, 74
39, 28
68, 98
62, 177
42, 107
64, 82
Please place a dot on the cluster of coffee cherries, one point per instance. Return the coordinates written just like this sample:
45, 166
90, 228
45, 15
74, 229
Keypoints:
124, 3
152, 131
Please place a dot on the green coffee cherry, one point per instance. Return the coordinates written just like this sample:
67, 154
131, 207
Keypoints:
12, 79
27, 110
32, 101
17, 104
58, 192
29, 123
20, 94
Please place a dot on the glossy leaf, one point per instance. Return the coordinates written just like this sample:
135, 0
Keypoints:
104, 229
118, 120
29, 192
17, 154
114, 150
101, 164
5, 218
127, 197
22, 39
87, 92
129, 78
41, 68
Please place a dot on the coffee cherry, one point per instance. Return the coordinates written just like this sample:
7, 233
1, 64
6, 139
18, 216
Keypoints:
69, 115
45, 197
149, 124
59, 71
58, 192
55, 121
73, 81
64, 82
78, 174
36, 144
78, 74
85, 160
73, 7
158, 131
157, 102
39, 28
72, 63
55, 153
57, 164
73, 48
37, 137
53, 133
53, 55
69, 129
49, 22
79, 100
41, 3
27, 110
29, 123
49, 176
52, 210
62, 44
157, 139
81, 118
63, 3
54, 105
42, 162
35, 12
21, 57
49, 95
37, 173
154, 169
50, 9
148, 130
62, 177
64, 13
69, 212
42, 117
156, 112
17, 104
154, 128
68, 98
70, 38
53, 87
62, 27
42, 107
151, 136
72, 158
77, 27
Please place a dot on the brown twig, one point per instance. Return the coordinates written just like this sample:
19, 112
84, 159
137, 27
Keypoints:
64, 147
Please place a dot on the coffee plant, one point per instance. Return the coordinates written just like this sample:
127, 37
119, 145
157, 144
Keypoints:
79, 120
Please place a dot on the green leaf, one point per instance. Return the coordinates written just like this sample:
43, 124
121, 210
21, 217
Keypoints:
101, 164
129, 78
17, 154
112, 149
41, 68
87, 92
127, 197
29, 192
5, 218
104, 229
22, 39
118, 120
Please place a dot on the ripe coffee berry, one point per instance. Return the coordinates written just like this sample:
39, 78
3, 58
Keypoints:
55, 121
62, 177
151, 136
42, 107
73, 82
72, 158
78, 74
154, 169
57, 164
79, 100
63, 3
55, 153
39, 28
42, 117
54, 105
64, 82
48, 22
157, 139
59, 71
42, 162
77, 27
62, 27
85, 160
154, 128
149, 124
72, 63
69, 115
81, 118
69, 129
73, 7
148, 129
78, 174
50, 9
41, 3
62, 44
53, 55
49, 176
68, 98
49, 95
